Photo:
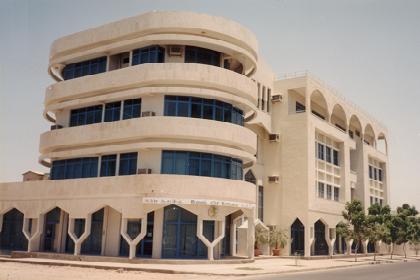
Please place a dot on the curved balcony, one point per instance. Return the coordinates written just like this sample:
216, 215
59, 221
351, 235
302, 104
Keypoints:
168, 132
127, 194
170, 28
159, 75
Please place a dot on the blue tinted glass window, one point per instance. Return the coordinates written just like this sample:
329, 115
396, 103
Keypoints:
112, 111
132, 108
128, 164
74, 168
200, 55
153, 54
88, 67
87, 115
108, 165
201, 164
184, 106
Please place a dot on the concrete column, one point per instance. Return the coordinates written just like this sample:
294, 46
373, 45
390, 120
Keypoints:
33, 236
78, 241
330, 238
210, 245
251, 235
365, 245
157, 234
308, 240
132, 243
349, 244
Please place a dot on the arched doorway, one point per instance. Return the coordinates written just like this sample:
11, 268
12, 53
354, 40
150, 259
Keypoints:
297, 235
54, 226
321, 245
179, 238
371, 247
11, 236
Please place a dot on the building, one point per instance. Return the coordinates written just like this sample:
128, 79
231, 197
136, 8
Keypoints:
171, 138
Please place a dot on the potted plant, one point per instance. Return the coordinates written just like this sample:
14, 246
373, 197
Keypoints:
261, 238
278, 239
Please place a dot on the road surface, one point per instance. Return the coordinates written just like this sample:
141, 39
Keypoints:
395, 271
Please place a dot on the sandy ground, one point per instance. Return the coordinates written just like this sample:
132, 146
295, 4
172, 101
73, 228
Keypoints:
21, 271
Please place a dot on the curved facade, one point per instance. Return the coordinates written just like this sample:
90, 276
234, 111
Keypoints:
171, 138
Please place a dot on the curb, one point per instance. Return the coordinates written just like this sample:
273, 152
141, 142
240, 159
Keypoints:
170, 271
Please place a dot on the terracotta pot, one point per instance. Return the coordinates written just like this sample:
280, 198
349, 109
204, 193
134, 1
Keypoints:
257, 252
276, 252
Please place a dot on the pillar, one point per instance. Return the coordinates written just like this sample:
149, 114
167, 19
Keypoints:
251, 235
210, 245
79, 240
308, 240
349, 243
157, 234
132, 243
33, 236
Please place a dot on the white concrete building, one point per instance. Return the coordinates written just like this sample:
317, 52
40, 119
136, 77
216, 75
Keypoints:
171, 138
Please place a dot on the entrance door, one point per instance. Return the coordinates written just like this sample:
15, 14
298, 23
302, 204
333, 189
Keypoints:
321, 246
179, 234
93, 244
298, 238
52, 219
11, 236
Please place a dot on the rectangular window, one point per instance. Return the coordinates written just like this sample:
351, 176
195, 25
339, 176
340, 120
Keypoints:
380, 175
300, 108
329, 192
321, 151
112, 111
380, 201
108, 165
335, 158
153, 54
128, 164
87, 115
132, 109
371, 200
375, 173
336, 194
74, 168
201, 55
261, 203
321, 190
184, 106
201, 164
370, 172
88, 67
328, 154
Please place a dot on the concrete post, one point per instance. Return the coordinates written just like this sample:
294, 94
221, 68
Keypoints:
308, 240
349, 244
32, 236
132, 243
79, 240
251, 236
365, 245
330, 237
210, 245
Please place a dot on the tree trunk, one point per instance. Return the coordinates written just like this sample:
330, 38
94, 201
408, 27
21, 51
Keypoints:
357, 249
405, 253
392, 249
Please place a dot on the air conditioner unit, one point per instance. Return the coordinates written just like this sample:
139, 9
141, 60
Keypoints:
175, 51
148, 114
273, 179
144, 171
277, 98
56, 126
274, 137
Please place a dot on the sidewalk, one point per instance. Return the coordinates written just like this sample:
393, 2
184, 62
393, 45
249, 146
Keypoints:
259, 267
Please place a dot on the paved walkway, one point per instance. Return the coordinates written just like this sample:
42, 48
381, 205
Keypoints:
259, 267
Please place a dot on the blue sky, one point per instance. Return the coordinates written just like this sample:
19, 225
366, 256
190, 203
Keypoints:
368, 50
